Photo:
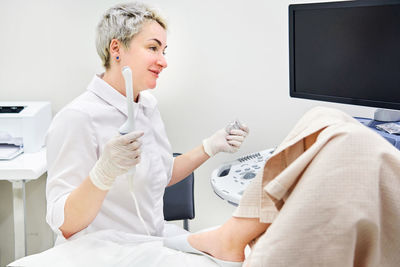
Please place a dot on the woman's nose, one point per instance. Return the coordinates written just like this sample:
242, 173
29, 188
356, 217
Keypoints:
162, 61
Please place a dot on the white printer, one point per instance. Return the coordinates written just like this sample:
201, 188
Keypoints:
23, 127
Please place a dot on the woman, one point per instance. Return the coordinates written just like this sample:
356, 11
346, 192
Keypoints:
88, 160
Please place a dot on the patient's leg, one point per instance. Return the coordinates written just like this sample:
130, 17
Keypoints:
229, 241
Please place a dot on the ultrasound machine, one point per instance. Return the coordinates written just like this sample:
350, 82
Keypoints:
344, 52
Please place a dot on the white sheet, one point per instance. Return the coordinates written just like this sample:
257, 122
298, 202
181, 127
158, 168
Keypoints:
113, 248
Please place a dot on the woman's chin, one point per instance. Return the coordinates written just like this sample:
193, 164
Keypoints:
152, 86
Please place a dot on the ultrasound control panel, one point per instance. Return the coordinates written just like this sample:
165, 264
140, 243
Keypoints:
231, 179
391, 138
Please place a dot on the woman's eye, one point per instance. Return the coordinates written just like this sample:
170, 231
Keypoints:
153, 48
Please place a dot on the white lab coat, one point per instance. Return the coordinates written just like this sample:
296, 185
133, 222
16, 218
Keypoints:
75, 141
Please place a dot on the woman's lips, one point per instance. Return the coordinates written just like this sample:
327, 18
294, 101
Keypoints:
155, 72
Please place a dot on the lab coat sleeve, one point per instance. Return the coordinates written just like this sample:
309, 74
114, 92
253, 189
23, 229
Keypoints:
72, 151
171, 167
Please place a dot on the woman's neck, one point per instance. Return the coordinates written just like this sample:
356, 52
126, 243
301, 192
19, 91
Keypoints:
115, 79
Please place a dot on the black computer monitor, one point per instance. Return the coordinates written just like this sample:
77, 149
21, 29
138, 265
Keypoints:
346, 52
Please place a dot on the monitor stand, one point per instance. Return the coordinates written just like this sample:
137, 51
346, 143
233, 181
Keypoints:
386, 115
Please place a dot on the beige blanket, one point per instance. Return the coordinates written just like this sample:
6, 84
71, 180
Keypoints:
332, 193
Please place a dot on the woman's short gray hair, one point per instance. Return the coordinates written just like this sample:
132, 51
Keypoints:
122, 22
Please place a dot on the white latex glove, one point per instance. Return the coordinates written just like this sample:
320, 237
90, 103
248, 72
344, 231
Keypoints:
222, 141
120, 154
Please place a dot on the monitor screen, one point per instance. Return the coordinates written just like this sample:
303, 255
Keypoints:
346, 52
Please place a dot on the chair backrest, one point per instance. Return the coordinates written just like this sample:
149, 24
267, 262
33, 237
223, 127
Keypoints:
179, 200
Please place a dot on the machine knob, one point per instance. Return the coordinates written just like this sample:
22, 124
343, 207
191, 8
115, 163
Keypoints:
249, 175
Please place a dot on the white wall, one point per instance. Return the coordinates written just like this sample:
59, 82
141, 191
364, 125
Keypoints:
227, 59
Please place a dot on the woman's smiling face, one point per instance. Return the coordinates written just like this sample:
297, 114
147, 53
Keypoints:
145, 55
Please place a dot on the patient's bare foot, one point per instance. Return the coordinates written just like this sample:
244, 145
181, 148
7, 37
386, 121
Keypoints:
218, 245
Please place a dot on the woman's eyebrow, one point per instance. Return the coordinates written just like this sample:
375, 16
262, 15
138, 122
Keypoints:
158, 41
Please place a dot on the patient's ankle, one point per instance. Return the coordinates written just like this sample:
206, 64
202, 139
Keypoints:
230, 240
217, 244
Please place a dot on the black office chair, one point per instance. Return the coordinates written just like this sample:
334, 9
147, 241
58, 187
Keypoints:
179, 200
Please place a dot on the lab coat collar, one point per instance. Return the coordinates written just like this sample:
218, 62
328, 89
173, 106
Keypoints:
106, 92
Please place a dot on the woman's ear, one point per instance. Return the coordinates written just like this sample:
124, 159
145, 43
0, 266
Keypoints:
115, 47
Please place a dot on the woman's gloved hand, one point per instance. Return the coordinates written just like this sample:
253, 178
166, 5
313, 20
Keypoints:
120, 154
222, 141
